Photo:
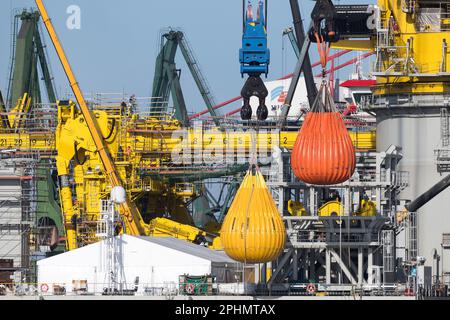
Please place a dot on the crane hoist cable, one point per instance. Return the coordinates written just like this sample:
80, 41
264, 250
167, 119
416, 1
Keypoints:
323, 30
324, 51
323, 153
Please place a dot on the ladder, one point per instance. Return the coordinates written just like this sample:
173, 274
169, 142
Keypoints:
410, 226
445, 135
387, 241
442, 155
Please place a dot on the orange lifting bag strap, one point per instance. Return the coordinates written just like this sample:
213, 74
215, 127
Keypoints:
323, 153
253, 231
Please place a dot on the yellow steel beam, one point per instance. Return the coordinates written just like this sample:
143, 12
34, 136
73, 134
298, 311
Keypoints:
235, 142
134, 222
360, 45
28, 141
17, 113
364, 140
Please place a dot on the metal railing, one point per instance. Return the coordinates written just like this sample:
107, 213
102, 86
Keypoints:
442, 160
165, 289
170, 290
435, 19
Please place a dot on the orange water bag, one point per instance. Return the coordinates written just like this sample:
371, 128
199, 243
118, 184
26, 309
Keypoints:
323, 153
253, 231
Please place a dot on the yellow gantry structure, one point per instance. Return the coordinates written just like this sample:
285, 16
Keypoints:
412, 47
410, 39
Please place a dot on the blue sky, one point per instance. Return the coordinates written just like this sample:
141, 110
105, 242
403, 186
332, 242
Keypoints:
116, 48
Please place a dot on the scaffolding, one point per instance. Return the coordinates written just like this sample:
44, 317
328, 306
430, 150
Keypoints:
26, 158
17, 218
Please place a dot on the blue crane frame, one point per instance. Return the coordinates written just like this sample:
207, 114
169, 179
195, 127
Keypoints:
254, 57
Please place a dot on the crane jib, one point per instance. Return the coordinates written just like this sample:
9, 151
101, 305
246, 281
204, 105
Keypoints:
134, 220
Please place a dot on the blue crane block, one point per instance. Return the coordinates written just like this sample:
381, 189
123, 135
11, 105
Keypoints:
254, 55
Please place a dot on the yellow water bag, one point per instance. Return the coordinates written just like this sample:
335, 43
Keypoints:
253, 231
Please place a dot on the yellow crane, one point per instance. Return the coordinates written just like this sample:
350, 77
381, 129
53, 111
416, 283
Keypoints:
411, 46
133, 220
410, 39
82, 132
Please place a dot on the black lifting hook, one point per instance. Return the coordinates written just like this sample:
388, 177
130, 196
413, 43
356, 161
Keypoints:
324, 11
254, 86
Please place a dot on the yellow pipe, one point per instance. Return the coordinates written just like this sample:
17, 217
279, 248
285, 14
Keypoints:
268, 272
67, 205
134, 222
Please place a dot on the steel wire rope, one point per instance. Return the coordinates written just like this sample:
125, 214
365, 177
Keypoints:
340, 252
327, 105
283, 60
253, 166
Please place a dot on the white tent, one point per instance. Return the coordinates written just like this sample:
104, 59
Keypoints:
157, 263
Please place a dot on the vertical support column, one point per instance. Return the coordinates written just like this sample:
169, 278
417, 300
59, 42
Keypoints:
328, 266
268, 270
360, 265
281, 200
312, 264
264, 273
305, 262
295, 265
301, 258
379, 160
258, 276
312, 208
356, 195
280, 181
347, 201
370, 266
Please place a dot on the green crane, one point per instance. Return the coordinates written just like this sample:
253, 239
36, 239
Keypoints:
28, 66
28, 51
167, 77
3, 116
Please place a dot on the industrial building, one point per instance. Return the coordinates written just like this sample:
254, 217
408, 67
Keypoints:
313, 187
